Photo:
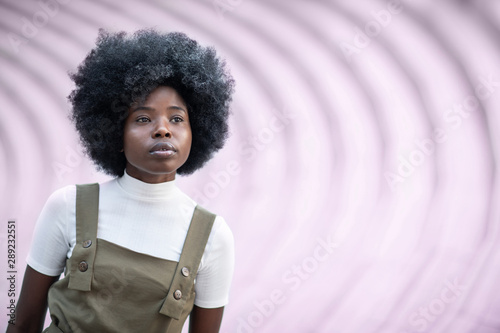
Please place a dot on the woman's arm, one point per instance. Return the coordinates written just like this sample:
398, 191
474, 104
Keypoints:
213, 281
32, 304
203, 320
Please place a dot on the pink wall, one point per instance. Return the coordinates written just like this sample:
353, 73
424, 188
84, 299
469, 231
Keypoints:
365, 137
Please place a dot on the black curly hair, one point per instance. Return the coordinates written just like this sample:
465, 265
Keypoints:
124, 69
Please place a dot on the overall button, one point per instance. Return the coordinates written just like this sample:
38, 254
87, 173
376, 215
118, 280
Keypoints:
177, 294
185, 271
87, 243
83, 266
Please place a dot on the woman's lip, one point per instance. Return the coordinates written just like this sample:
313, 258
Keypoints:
162, 153
162, 147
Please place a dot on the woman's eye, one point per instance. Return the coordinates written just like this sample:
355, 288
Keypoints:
142, 119
177, 119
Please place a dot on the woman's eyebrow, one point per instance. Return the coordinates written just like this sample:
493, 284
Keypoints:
178, 108
148, 108
140, 107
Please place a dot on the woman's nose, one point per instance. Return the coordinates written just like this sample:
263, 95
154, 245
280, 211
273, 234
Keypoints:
162, 130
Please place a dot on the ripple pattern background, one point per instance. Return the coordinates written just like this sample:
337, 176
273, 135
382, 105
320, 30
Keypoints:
361, 179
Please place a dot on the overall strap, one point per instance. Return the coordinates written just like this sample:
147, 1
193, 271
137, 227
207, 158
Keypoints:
187, 267
82, 259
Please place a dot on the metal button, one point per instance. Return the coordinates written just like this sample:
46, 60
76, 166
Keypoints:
87, 243
185, 271
83, 266
177, 294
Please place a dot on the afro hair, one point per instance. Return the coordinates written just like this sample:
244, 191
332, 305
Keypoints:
124, 69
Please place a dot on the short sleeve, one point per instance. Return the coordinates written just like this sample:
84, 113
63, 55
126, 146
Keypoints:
216, 271
50, 243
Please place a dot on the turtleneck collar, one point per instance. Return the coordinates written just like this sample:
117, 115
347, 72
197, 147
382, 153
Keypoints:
144, 190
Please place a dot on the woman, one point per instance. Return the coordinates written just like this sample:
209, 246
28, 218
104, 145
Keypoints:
147, 107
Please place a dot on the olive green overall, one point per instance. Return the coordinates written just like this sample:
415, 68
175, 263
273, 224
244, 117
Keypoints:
108, 288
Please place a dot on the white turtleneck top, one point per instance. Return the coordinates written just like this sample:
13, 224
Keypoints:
152, 219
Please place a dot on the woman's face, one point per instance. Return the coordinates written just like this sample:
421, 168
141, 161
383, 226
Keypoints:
157, 136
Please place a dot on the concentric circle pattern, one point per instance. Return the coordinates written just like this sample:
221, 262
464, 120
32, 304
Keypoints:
361, 178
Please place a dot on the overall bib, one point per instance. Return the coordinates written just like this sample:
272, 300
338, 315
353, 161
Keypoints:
108, 288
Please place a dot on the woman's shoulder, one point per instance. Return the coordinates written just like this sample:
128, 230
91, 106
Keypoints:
61, 196
65, 197
221, 236
68, 192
